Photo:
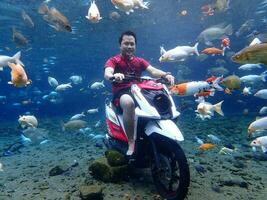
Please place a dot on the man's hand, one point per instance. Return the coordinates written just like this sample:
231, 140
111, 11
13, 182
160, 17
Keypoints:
118, 77
170, 78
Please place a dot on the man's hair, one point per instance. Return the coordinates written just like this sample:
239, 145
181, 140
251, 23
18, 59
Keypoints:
127, 33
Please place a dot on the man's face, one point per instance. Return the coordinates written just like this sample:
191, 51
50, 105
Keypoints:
127, 46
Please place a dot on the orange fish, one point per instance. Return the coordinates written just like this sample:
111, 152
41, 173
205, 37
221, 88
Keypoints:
205, 93
225, 43
206, 146
207, 10
212, 51
18, 76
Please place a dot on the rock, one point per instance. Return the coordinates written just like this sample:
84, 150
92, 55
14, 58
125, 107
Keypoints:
101, 170
229, 181
91, 192
115, 158
56, 171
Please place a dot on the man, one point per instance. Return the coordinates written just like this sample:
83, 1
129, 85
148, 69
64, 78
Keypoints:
123, 64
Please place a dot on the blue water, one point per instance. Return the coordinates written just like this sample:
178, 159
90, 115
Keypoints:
85, 50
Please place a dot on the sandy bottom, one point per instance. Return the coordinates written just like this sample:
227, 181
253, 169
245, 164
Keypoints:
26, 174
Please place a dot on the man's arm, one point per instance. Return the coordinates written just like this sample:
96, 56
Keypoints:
109, 71
157, 73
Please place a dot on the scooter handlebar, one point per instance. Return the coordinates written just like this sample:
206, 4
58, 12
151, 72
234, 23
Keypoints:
128, 78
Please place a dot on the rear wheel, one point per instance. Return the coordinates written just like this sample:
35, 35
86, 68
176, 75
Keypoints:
171, 176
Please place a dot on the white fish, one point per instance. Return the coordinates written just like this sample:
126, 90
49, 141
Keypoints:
6, 59
199, 141
128, 6
28, 121
1, 167
93, 13
254, 78
260, 142
263, 110
246, 91
76, 80
77, 116
97, 85
63, 87
257, 125
179, 53
214, 138
92, 111
97, 124
261, 94
52, 82
214, 32
226, 151
206, 109
249, 67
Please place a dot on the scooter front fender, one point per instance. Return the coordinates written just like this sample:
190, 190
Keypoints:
166, 128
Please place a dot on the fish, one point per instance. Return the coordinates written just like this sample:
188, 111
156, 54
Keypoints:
1, 167
97, 85
18, 76
214, 32
213, 51
246, 91
63, 87
255, 53
92, 111
74, 125
263, 110
257, 125
52, 82
226, 151
115, 16
179, 53
225, 43
76, 80
261, 94
19, 39
28, 121
206, 110
77, 116
214, 138
252, 78
260, 142
190, 88
221, 5
55, 18
199, 141
93, 13
4, 60
249, 67
128, 6
232, 82
27, 19
206, 146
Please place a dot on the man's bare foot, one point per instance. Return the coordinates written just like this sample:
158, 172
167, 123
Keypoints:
130, 148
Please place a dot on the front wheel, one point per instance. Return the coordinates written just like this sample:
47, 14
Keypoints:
170, 170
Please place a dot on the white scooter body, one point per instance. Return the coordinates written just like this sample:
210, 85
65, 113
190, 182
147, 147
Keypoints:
157, 124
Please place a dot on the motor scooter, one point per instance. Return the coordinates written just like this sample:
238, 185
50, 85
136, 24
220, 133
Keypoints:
156, 135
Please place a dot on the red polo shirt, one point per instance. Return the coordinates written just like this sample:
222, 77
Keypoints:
133, 67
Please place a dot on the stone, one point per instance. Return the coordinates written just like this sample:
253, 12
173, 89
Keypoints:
115, 158
91, 192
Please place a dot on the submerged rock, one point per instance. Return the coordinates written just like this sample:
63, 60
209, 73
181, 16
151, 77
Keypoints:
91, 192
103, 171
115, 158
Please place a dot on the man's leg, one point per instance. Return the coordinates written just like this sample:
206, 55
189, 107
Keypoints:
128, 107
